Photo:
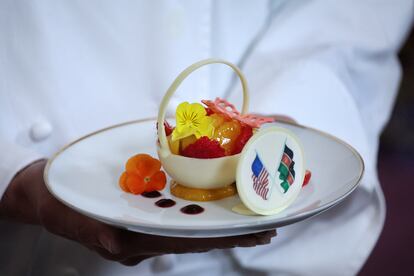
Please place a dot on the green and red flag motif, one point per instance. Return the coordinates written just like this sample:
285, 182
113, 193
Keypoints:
286, 169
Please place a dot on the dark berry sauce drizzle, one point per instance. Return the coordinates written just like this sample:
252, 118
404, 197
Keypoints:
152, 194
192, 209
165, 203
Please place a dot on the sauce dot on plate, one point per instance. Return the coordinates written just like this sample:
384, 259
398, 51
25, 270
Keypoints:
165, 203
192, 209
152, 194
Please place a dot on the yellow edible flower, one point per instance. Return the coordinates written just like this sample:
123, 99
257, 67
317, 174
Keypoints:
192, 119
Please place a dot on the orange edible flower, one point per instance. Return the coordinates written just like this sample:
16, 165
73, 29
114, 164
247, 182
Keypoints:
143, 174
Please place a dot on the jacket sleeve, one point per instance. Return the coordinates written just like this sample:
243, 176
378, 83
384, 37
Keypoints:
331, 65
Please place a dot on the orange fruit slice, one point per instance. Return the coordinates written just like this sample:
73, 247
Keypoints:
194, 194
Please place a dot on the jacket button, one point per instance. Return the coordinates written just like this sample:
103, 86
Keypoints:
40, 131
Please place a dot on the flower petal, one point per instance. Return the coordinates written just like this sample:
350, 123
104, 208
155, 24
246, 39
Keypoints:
122, 182
148, 167
157, 182
182, 132
135, 183
143, 165
205, 128
190, 118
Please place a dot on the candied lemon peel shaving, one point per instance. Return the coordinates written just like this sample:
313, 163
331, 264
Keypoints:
192, 119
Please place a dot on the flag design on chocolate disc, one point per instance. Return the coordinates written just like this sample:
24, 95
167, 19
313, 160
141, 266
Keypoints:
286, 169
260, 177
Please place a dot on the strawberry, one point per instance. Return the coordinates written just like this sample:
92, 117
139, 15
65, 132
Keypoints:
241, 140
306, 180
168, 128
209, 111
204, 148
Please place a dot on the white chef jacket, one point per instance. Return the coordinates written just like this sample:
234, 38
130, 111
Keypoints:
70, 67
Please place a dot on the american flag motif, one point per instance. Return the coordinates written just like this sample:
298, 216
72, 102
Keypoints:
260, 177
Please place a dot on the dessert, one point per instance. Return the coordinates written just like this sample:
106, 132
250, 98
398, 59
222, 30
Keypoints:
214, 151
213, 130
207, 132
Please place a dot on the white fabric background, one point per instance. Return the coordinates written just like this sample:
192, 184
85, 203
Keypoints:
77, 66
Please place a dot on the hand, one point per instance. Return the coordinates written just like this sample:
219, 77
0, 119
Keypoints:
284, 119
28, 200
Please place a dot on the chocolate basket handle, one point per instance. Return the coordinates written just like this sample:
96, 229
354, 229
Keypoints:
164, 148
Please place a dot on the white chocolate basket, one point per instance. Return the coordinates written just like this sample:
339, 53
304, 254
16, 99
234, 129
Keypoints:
193, 172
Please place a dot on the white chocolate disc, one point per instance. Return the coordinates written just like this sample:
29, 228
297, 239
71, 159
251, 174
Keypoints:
270, 171
243, 210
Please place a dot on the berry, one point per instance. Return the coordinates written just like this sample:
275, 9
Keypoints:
307, 178
246, 133
209, 111
204, 148
168, 128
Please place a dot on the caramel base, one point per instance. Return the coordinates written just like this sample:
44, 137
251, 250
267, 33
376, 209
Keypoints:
194, 194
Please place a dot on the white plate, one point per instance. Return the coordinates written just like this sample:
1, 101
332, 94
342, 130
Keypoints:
84, 175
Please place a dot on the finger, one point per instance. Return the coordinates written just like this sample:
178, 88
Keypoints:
161, 245
132, 261
61, 220
284, 118
129, 261
125, 243
265, 237
281, 118
90, 231
105, 253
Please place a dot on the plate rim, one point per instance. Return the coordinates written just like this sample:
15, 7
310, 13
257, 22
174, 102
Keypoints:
205, 228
